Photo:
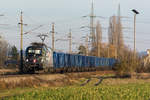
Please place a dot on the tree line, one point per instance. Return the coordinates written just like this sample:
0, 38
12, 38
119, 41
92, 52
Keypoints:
7, 53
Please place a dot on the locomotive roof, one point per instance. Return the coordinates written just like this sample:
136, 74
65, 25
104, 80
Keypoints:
37, 45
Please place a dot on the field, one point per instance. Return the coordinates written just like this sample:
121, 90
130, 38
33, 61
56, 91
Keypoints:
84, 89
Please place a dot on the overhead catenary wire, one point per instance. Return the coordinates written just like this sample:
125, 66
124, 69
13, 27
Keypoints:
58, 26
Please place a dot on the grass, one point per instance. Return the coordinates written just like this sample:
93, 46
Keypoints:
12, 92
124, 89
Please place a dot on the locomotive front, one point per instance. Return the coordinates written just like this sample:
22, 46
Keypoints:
34, 58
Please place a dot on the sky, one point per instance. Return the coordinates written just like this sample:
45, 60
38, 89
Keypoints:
68, 14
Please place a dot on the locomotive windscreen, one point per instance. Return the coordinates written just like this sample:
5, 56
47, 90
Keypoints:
34, 51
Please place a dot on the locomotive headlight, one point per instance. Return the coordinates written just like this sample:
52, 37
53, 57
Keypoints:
27, 60
34, 61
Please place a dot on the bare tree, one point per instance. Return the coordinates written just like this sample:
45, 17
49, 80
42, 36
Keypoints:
120, 41
115, 35
82, 50
112, 34
3, 51
98, 38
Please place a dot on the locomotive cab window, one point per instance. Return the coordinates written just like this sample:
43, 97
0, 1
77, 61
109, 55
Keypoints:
37, 51
34, 51
30, 51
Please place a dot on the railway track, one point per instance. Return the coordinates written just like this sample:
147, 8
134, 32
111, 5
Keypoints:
17, 74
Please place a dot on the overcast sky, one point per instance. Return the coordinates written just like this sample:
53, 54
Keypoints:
68, 14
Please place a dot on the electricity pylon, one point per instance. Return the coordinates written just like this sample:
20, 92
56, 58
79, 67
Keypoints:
53, 36
70, 41
92, 25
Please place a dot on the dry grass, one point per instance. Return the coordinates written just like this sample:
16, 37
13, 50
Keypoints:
7, 71
125, 81
50, 80
89, 74
12, 86
56, 80
34, 81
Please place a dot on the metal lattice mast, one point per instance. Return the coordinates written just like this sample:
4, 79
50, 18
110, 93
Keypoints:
87, 47
92, 28
70, 41
119, 33
53, 37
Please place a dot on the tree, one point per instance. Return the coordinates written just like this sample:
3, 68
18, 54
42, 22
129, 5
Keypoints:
98, 38
82, 50
115, 34
128, 64
3, 51
14, 53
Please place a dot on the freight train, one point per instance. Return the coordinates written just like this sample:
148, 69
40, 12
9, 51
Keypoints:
38, 57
